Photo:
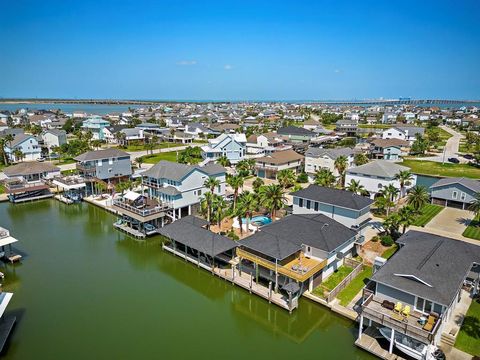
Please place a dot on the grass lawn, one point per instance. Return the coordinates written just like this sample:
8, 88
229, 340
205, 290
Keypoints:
464, 147
387, 254
376, 126
468, 338
428, 212
439, 169
347, 294
335, 279
64, 161
2, 189
473, 229
155, 158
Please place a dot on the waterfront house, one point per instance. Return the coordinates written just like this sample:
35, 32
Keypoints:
110, 165
296, 134
181, 185
349, 127
297, 250
28, 181
27, 144
232, 146
96, 125
406, 133
269, 166
377, 174
53, 138
346, 207
388, 149
319, 158
454, 192
418, 295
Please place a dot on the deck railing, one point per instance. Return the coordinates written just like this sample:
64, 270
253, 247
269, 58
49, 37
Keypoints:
293, 274
142, 212
385, 318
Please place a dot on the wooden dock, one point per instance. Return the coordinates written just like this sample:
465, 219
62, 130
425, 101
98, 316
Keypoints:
127, 229
368, 342
6, 325
244, 280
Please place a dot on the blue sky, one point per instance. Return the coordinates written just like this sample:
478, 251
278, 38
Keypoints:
240, 50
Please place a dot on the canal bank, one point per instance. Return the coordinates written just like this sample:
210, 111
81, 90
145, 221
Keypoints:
87, 290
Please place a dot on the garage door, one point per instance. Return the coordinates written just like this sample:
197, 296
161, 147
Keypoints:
440, 202
455, 204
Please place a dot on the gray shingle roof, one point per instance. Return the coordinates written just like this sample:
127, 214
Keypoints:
438, 261
331, 153
284, 237
295, 130
337, 197
27, 168
101, 154
382, 168
169, 190
189, 231
471, 184
175, 171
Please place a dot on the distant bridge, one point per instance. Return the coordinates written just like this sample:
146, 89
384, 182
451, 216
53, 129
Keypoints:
156, 102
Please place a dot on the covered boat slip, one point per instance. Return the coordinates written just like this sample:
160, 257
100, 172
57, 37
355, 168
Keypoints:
188, 236
6, 321
189, 239
6, 241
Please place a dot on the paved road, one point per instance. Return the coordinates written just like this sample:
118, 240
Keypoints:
451, 148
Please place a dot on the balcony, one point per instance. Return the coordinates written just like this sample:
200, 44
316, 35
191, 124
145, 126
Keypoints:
373, 309
145, 212
18, 185
299, 269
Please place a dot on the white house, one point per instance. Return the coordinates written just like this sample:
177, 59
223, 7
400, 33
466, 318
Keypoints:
407, 133
27, 144
53, 137
182, 185
377, 174
318, 158
232, 146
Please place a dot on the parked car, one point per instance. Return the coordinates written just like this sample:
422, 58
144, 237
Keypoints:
42, 159
468, 156
453, 160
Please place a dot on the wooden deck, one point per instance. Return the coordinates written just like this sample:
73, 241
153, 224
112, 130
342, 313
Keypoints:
245, 281
127, 229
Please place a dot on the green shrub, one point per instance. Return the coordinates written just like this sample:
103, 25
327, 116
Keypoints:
375, 238
386, 240
302, 178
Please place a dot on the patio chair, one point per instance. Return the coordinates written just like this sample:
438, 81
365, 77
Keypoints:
295, 267
398, 307
406, 311
430, 322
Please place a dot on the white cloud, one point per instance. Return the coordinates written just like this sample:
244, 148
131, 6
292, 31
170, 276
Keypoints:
228, 67
337, 71
187, 62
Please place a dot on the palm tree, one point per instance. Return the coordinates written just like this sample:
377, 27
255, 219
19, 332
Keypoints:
223, 160
324, 177
341, 164
211, 183
286, 178
208, 198
2, 149
390, 192
405, 178
9, 138
406, 216
139, 161
356, 187
382, 203
120, 138
272, 198
360, 159
19, 155
418, 197
220, 207
475, 206
257, 184
248, 204
391, 224
236, 182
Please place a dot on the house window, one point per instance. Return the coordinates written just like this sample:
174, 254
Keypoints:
308, 204
380, 185
99, 162
454, 195
463, 196
300, 202
315, 206
199, 192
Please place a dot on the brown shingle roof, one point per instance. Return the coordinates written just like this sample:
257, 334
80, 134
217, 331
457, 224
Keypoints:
27, 168
281, 157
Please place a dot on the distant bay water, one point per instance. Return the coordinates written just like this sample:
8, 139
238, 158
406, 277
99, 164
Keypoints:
102, 109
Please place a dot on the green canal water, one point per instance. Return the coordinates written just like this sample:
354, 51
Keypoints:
84, 290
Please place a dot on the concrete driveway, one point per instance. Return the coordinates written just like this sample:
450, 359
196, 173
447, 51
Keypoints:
451, 147
450, 220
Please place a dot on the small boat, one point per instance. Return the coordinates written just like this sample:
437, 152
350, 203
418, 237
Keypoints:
413, 348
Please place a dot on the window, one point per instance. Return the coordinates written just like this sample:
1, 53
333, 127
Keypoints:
454, 195
315, 206
199, 192
110, 161
380, 185
300, 202
308, 204
99, 162
463, 196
